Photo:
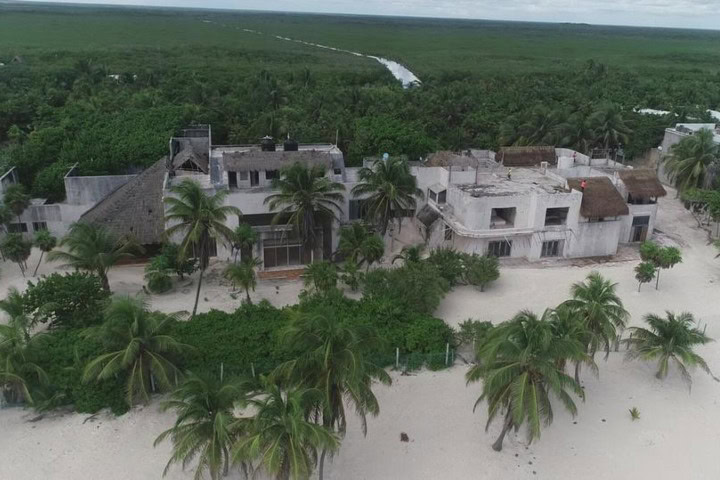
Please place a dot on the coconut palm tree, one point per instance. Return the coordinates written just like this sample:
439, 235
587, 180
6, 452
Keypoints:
644, 273
243, 274
389, 189
138, 344
204, 428
16, 343
244, 238
521, 366
352, 239
281, 436
16, 199
410, 254
669, 338
542, 126
45, 242
306, 200
690, 158
601, 311
321, 276
577, 133
372, 250
199, 218
94, 249
335, 360
609, 126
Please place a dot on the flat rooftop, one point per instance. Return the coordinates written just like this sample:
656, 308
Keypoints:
522, 182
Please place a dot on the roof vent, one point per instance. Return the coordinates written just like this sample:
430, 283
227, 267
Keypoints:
267, 144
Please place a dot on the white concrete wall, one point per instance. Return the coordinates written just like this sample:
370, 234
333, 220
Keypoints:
90, 190
595, 239
649, 210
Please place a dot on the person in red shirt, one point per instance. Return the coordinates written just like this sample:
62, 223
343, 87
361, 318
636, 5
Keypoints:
583, 184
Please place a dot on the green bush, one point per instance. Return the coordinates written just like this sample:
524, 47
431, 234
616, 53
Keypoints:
157, 274
63, 356
472, 330
68, 300
418, 287
449, 263
248, 336
480, 270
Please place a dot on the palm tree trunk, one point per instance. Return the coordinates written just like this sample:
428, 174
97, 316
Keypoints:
639, 285
497, 446
247, 294
657, 279
105, 282
577, 372
197, 293
321, 465
42, 252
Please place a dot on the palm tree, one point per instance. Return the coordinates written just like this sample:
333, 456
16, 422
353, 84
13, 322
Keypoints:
609, 126
94, 249
204, 428
244, 238
644, 273
689, 160
16, 344
389, 189
138, 341
281, 436
410, 254
45, 242
16, 199
243, 274
351, 241
335, 360
601, 311
541, 126
577, 133
520, 364
307, 198
372, 250
200, 218
322, 276
670, 338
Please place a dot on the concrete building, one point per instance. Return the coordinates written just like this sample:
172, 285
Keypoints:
82, 194
535, 202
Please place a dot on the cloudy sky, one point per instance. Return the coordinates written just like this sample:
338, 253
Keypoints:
665, 13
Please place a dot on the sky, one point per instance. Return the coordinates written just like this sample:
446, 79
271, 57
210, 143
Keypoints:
656, 13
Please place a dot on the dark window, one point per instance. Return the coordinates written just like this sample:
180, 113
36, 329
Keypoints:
37, 226
337, 171
502, 217
271, 174
232, 179
448, 233
641, 200
282, 251
556, 216
17, 228
637, 221
358, 209
442, 197
551, 248
501, 248
254, 178
432, 195
243, 176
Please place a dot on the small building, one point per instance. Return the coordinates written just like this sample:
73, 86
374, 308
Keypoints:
674, 135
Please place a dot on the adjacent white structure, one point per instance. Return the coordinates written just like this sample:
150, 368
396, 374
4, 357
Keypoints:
538, 202
674, 134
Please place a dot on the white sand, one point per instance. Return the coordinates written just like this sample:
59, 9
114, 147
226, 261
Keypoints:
677, 436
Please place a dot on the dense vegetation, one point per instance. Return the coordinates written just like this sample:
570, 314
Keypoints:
106, 87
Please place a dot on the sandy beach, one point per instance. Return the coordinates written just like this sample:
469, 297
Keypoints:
676, 437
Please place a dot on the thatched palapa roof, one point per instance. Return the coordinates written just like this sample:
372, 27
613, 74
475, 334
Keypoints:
259, 160
642, 182
134, 209
526, 156
600, 198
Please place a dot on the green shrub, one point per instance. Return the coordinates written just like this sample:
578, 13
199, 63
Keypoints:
449, 263
418, 287
69, 300
472, 331
480, 270
181, 266
248, 336
157, 274
63, 356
